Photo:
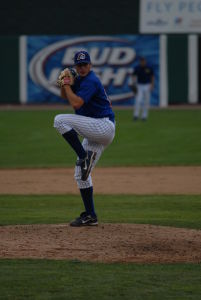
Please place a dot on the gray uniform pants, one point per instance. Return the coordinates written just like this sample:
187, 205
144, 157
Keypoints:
142, 101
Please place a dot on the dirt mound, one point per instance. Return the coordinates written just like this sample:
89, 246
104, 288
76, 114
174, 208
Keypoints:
104, 243
107, 242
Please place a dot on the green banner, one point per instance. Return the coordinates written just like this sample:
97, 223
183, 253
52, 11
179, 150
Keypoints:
9, 75
178, 69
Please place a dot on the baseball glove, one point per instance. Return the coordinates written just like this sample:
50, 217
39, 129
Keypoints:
67, 77
134, 89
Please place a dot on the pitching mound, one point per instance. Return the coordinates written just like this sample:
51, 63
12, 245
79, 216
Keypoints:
105, 243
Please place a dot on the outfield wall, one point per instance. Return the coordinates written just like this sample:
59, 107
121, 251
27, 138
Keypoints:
113, 59
176, 60
180, 54
9, 75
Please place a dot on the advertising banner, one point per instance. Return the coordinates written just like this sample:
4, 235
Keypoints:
170, 16
113, 59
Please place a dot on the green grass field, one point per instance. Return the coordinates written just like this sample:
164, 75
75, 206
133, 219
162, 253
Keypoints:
169, 137
174, 210
62, 280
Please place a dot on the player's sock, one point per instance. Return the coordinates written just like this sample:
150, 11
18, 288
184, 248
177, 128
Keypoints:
87, 197
72, 138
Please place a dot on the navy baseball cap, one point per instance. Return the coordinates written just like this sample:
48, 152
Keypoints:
82, 57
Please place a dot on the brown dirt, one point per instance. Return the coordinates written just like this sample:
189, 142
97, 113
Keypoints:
104, 243
131, 180
107, 242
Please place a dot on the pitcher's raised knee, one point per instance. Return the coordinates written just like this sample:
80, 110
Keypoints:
57, 122
62, 123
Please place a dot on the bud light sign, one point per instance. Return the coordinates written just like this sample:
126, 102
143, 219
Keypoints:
113, 60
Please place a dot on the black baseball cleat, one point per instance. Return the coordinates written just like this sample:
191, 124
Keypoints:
84, 220
86, 164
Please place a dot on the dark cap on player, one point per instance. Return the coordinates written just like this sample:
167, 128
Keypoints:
82, 57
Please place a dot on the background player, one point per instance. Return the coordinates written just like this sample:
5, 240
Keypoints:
94, 121
143, 79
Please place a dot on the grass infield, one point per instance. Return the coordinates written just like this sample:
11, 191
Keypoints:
169, 137
62, 280
177, 210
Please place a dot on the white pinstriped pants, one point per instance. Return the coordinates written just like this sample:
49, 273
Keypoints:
97, 134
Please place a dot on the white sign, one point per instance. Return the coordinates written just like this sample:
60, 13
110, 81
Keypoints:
170, 16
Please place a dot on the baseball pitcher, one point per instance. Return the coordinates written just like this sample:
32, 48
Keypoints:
93, 120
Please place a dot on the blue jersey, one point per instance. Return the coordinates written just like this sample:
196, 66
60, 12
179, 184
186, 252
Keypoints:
96, 103
144, 74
